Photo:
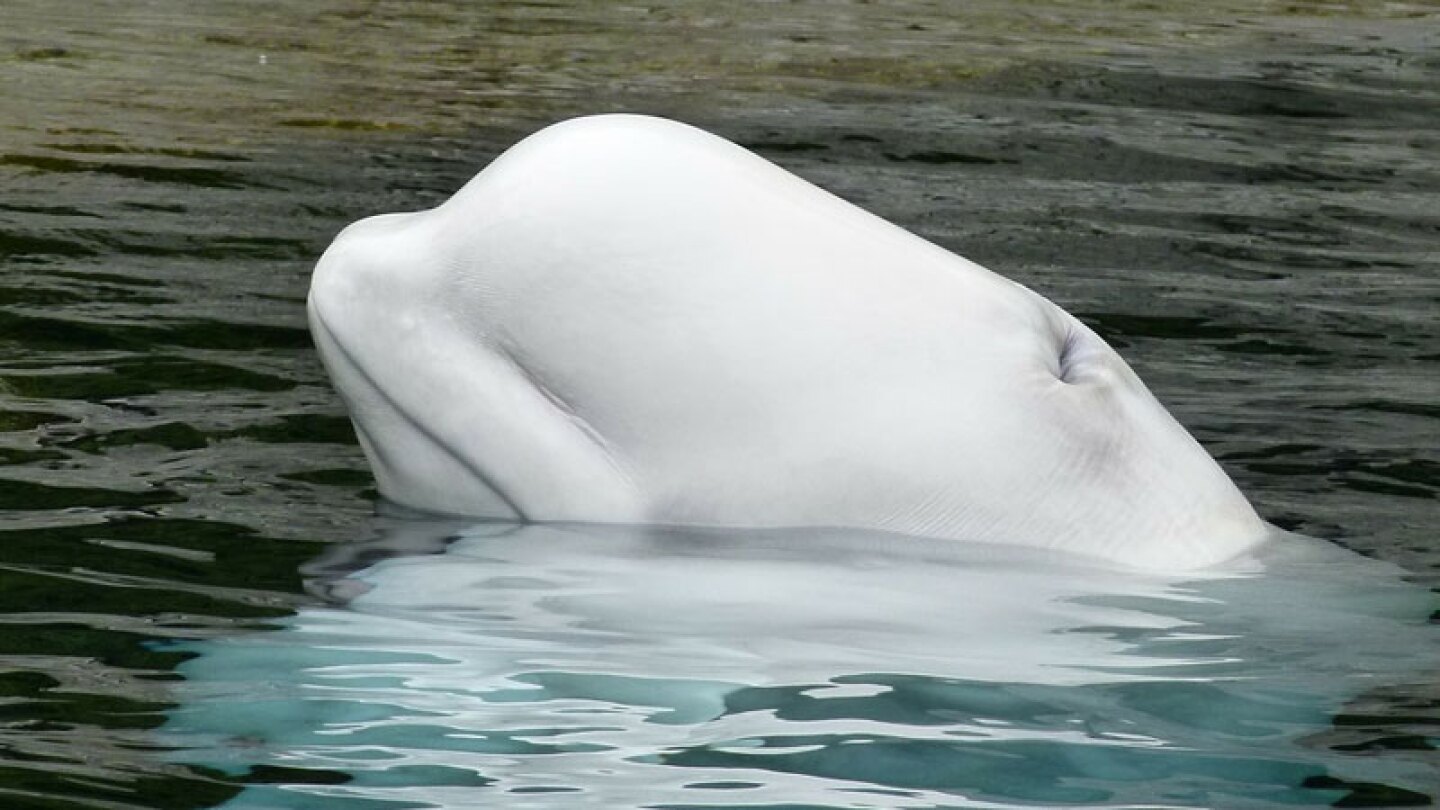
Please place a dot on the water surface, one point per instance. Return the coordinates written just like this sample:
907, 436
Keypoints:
589, 666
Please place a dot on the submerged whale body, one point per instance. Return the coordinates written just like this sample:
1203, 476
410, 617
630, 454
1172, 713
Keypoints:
625, 319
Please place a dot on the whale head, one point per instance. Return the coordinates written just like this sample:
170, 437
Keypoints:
628, 320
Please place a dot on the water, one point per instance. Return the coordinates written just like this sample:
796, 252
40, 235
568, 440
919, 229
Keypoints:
584, 666
1242, 199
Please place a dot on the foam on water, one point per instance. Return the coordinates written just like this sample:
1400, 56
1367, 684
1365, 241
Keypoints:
582, 666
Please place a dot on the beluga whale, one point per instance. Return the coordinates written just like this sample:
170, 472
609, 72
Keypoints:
626, 319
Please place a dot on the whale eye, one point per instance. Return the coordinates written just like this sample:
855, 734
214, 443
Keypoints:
1069, 355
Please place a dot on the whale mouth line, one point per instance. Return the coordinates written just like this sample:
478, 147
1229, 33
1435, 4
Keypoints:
568, 412
350, 360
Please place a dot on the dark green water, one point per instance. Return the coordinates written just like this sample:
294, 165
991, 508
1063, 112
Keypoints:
1245, 200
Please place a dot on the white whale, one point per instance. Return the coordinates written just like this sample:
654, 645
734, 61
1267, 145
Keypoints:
625, 319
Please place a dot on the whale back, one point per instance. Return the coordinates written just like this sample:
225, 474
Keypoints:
625, 319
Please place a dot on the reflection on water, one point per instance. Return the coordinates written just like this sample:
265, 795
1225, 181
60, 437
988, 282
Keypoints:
574, 666
1240, 196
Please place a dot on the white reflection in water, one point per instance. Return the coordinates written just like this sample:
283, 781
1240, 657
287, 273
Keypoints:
583, 666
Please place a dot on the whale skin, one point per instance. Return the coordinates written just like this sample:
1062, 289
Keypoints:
625, 319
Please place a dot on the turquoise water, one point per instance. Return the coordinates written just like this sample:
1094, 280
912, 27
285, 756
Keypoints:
586, 666
200, 606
